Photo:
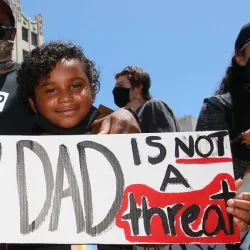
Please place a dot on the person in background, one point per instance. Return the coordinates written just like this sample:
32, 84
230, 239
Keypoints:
15, 119
132, 91
11, 108
229, 110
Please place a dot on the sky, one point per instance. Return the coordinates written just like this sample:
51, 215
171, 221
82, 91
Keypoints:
185, 46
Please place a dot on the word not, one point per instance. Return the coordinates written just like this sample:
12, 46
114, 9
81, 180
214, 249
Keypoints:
190, 149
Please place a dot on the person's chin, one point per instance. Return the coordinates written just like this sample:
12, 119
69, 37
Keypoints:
68, 124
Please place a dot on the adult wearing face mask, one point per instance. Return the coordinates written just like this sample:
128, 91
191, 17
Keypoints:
230, 110
132, 91
14, 117
12, 113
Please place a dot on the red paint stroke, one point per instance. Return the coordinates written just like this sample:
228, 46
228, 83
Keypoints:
204, 160
163, 200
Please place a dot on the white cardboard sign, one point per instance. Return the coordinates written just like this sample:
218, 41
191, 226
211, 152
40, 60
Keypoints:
117, 189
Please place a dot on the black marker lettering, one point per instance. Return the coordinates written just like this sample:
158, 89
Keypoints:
172, 211
226, 195
178, 179
25, 227
220, 141
163, 152
220, 223
188, 217
204, 155
73, 191
189, 150
102, 226
1, 98
133, 215
148, 213
136, 154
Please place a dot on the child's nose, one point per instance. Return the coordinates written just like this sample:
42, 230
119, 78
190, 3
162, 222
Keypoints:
65, 97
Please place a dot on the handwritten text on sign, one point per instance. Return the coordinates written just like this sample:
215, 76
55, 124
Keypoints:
117, 189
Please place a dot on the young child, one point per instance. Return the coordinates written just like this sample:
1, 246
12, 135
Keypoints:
60, 84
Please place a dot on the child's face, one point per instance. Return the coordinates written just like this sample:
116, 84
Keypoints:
64, 98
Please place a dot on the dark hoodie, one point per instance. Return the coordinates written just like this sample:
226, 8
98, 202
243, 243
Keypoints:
15, 118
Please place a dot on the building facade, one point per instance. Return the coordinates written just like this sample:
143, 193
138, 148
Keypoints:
187, 123
29, 32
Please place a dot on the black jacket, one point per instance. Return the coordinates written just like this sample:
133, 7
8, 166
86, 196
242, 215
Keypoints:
156, 116
15, 118
217, 114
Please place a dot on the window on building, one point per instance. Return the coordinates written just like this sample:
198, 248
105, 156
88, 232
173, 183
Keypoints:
25, 34
34, 40
25, 52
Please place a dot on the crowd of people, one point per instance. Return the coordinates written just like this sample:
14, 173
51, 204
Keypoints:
53, 92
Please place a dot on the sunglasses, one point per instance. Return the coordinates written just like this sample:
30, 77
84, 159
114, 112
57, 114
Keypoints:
5, 32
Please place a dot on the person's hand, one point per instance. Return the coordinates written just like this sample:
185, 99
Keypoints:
119, 122
247, 135
248, 171
239, 207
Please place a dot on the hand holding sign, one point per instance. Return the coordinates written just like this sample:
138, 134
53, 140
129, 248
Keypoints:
240, 207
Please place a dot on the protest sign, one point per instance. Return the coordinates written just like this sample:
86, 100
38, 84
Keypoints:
117, 189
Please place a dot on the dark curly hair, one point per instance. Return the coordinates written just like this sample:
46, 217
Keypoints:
233, 76
137, 76
42, 60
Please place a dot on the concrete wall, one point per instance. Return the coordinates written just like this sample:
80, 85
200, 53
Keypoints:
32, 26
187, 123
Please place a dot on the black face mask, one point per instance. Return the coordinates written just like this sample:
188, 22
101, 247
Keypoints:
241, 92
242, 77
121, 96
43, 125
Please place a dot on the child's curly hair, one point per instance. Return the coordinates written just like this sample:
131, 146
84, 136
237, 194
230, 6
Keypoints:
42, 60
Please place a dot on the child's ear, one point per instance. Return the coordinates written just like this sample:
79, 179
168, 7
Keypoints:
93, 91
32, 104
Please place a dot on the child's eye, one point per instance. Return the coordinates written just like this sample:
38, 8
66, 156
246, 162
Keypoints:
76, 86
50, 91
